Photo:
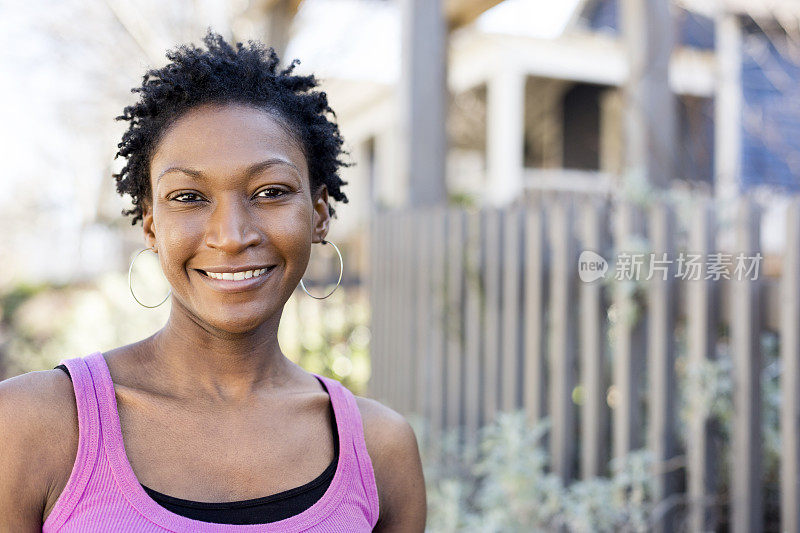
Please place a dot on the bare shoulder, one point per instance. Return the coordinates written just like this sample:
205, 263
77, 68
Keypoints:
384, 424
387, 433
394, 451
39, 439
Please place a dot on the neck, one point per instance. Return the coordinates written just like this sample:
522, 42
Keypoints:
200, 361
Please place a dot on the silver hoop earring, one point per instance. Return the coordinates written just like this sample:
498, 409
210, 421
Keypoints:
341, 271
130, 269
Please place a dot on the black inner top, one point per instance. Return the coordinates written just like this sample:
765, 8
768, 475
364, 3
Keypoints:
257, 510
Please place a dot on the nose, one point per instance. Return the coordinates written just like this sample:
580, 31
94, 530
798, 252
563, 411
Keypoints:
232, 227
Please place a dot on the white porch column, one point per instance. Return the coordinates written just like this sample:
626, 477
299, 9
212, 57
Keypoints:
650, 110
423, 96
505, 121
728, 118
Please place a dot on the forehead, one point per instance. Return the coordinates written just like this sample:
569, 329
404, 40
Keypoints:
223, 137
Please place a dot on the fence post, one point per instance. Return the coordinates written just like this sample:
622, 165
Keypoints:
491, 336
422, 316
425, 313
661, 361
438, 336
535, 296
790, 373
510, 354
746, 350
407, 304
455, 298
472, 325
562, 338
701, 322
391, 311
374, 384
593, 347
629, 343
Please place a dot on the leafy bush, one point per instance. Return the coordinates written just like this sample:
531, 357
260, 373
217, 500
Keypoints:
505, 486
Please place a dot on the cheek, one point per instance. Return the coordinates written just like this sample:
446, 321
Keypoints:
178, 238
291, 233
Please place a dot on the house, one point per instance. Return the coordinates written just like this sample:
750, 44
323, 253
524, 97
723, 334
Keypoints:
528, 112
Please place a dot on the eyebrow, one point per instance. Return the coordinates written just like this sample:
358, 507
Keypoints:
252, 169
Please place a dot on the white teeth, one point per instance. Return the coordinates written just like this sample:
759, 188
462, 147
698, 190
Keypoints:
236, 276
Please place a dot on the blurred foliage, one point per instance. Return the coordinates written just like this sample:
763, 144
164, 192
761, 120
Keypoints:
331, 336
462, 199
506, 486
57, 322
707, 387
16, 296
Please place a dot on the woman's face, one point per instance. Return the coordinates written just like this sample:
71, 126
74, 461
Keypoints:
231, 192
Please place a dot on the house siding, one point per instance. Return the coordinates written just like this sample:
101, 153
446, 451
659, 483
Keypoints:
770, 114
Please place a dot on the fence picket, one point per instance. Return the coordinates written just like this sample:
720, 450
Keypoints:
374, 385
400, 321
510, 351
629, 342
535, 392
661, 308
394, 310
472, 333
408, 299
592, 348
746, 351
455, 308
422, 310
701, 347
491, 333
790, 375
437, 347
562, 356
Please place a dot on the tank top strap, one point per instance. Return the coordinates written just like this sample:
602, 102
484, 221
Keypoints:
341, 406
111, 431
88, 441
355, 430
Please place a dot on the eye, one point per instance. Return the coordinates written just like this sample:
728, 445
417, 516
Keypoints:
274, 189
186, 194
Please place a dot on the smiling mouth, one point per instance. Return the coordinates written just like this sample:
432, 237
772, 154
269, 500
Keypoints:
237, 276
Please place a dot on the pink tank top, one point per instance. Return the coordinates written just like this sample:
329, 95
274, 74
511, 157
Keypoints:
103, 494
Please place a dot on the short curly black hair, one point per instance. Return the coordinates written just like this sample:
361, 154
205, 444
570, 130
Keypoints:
222, 74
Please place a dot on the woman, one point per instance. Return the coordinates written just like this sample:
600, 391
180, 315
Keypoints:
206, 425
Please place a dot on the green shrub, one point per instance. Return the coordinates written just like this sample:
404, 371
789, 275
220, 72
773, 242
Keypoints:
506, 486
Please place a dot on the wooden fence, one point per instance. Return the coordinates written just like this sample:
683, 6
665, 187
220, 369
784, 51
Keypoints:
474, 312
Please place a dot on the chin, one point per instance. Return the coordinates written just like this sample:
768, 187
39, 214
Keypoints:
236, 325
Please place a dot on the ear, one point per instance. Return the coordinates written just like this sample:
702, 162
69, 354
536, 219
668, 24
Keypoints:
147, 224
322, 217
